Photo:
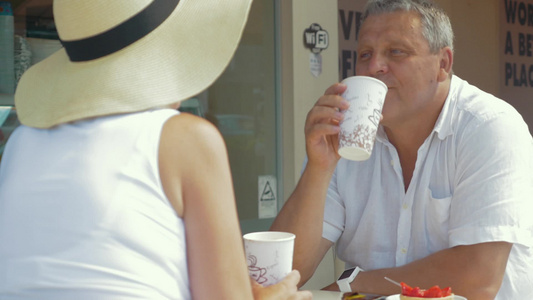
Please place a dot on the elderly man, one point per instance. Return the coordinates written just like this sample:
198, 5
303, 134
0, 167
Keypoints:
442, 199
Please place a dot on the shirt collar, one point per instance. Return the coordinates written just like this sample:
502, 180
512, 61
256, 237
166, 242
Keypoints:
443, 126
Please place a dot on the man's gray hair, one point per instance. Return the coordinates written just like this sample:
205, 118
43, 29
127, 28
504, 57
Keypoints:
436, 26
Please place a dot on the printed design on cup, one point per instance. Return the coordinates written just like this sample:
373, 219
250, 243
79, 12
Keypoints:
362, 137
375, 118
362, 134
257, 273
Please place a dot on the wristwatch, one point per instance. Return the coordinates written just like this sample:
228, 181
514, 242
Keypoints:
346, 278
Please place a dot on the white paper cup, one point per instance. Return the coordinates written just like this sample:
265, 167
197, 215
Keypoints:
359, 127
269, 255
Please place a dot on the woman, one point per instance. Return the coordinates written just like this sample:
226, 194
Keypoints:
106, 191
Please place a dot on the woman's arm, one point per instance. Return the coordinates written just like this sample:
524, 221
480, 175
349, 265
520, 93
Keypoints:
196, 177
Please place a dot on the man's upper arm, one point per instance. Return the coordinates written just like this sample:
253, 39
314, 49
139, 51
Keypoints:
493, 183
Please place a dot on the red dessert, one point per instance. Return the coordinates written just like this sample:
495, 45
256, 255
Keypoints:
416, 293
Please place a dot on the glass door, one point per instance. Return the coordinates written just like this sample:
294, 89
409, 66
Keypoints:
242, 103
27, 35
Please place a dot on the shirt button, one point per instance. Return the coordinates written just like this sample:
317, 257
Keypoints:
392, 162
404, 250
405, 206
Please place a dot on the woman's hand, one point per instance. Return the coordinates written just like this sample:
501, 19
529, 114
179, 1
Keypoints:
283, 290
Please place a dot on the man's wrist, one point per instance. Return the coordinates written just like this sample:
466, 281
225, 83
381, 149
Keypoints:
347, 277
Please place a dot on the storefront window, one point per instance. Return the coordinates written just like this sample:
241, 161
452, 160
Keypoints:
242, 103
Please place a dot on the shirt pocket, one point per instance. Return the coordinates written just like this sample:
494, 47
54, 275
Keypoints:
437, 215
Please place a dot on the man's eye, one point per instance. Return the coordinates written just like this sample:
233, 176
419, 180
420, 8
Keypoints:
397, 52
365, 55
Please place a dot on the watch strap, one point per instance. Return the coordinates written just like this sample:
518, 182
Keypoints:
344, 286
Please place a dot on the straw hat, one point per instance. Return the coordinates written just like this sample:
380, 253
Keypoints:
121, 65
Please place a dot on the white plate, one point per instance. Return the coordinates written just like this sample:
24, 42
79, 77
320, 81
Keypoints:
397, 297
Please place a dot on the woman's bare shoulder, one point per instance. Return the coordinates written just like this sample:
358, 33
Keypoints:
191, 150
190, 131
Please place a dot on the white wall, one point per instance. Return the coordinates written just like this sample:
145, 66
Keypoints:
300, 90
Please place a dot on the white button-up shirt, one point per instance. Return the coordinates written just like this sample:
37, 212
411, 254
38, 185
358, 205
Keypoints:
472, 183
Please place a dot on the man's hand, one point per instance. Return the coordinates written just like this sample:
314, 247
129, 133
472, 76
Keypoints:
322, 127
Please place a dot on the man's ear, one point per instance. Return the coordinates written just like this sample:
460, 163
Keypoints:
446, 62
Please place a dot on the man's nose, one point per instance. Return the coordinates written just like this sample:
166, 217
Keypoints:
378, 65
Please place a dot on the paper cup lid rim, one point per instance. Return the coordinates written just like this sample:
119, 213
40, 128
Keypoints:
368, 78
284, 236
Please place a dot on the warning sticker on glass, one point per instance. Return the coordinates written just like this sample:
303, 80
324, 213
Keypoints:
267, 201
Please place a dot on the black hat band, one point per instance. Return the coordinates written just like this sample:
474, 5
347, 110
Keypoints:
122, 35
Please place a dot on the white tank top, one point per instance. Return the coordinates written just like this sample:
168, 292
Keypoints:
83, 214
